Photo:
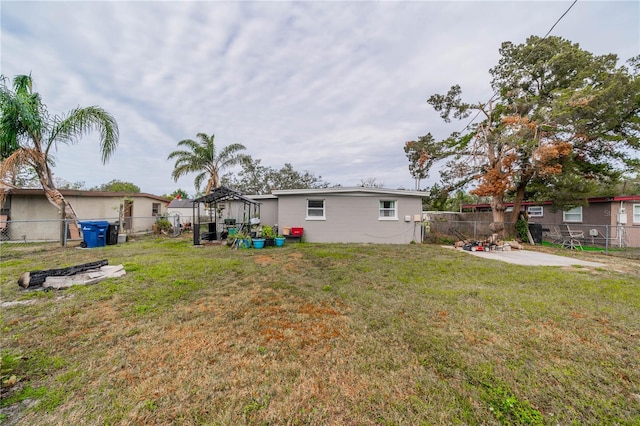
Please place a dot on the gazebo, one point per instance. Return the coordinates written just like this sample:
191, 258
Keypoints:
224, 208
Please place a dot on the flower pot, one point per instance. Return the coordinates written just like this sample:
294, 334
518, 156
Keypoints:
269, 242
258, 243
279, 242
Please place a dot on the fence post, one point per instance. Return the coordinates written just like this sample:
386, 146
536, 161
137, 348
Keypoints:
606, 239
176, 225
63, 228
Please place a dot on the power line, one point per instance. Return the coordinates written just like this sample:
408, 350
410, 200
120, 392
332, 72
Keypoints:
559, 19
527, 57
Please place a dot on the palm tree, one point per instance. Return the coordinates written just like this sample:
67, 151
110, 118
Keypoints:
29, 135
200, 157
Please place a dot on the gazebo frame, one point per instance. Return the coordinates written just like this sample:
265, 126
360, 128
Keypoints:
219, 195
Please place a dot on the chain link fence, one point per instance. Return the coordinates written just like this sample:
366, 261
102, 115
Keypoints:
63, 231
607, 238
612, 239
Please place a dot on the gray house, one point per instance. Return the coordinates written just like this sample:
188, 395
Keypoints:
349, 215
328, 215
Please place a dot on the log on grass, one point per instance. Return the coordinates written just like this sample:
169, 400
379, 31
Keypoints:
84, 278
37, 278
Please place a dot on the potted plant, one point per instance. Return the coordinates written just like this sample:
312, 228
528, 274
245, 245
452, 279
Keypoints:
258, 243
268, 234
239, 240
279, 240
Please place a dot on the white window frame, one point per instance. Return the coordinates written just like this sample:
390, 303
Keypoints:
155, 209
636, 213
568, 215
535, 211
316, 209
393, 210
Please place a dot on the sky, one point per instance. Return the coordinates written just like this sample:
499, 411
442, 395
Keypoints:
334, 88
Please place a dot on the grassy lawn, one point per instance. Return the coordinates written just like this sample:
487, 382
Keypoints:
319, 334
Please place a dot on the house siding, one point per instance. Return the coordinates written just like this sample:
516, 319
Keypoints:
601, 215
181, 208
36, 218
352, 218
185, 213
268, 211
32, 215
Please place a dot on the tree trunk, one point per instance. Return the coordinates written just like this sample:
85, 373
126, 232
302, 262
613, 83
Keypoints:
52, 193
68, 213
522, 186
57, 199
517, 203
497, 210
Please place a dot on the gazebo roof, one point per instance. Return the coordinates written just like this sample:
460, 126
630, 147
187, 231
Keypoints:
223, 193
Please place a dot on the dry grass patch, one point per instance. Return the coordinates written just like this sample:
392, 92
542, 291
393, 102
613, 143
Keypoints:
322, 334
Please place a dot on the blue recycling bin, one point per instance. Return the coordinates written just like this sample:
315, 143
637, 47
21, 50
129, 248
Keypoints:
94, 233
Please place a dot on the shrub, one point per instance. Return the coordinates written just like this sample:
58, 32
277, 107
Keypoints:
162, 225
522, 229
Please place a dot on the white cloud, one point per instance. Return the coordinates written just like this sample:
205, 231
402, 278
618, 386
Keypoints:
335, 88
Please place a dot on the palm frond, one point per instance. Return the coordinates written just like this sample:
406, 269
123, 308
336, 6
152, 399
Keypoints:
80, 121
189, 143
23, 84
22, 117
22, 157
229, 155
198, 180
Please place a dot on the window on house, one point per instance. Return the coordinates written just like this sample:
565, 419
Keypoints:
155, 209
535, 211
636, 213
315, 210
388, 210
572, 215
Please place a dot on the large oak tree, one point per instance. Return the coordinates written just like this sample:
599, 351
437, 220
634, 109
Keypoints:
561, 118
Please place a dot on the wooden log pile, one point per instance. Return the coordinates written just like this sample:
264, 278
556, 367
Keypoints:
86, 273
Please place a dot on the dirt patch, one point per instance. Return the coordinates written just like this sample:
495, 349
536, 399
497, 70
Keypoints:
264, 260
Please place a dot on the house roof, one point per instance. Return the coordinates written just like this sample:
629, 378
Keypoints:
178, 203
262, 197
617, 198
350, 191
82, 193
540, 203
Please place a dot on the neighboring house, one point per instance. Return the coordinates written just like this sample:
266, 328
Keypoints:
31, 216
351, 215
181, 208
614, 218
